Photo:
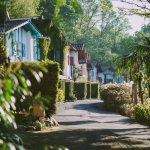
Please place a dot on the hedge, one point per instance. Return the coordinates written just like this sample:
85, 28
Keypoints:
94, 90
60, 95
80, 88
69, 89
62, 86
88, 89
48, 85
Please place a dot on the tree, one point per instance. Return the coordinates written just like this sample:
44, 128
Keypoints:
138, 7
140, 54
23, 8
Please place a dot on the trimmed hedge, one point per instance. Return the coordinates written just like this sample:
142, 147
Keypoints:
62, 86
69, 89
94, 90
48, 85
81, 89
60, 95
88, 89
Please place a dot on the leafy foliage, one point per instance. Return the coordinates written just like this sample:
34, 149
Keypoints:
14, 83
60, 95
62, 86
23, 8
58, 42
142, 113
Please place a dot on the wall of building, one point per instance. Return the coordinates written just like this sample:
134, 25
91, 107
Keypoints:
67, 68
20, 36
115, 79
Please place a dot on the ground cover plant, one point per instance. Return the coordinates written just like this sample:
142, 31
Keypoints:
141, 112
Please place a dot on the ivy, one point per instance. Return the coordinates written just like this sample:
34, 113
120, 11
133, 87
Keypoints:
57, 41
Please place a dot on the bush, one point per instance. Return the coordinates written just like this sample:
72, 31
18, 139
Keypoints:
94, 90
117, 98
81, 89
62, 86
60, 96
88, 89
47, 86
69, 89
142, 113
11, 76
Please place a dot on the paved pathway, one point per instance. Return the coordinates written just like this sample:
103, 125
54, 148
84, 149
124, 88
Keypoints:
87, 125
90, 114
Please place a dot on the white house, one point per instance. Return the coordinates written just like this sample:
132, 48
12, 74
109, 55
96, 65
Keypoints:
107, 76
93, 71
21, 40
81, 60
71, 60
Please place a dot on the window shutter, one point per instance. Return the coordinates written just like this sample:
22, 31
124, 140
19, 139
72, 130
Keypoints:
68, 60
71, 61
14, 48
58, 56
23, 50
39, 56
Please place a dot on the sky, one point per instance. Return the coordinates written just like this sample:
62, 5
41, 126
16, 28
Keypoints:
136, 21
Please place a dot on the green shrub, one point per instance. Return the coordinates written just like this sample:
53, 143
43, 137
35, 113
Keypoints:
62, 86
94, 90
48, 85
141, 112
14, 84
117, 98
88, 90
60, 96
69, 89
81, 89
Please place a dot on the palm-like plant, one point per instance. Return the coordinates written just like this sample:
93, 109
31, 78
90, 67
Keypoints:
140, 54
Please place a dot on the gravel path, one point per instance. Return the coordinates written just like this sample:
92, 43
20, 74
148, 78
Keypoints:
87, 125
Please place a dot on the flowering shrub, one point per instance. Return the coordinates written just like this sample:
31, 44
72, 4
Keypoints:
141, 112
117, 98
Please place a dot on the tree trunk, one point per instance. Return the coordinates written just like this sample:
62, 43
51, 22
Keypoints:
142, 99
135, 92
132, 92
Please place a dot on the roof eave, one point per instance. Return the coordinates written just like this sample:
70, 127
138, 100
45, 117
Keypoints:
17, 27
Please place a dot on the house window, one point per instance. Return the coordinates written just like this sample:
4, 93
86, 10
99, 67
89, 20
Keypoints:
58, 56
71, 61
19, 49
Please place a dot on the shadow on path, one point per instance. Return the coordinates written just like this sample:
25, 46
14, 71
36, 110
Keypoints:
82, 140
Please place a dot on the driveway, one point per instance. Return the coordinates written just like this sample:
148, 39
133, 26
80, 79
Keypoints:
87, 125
